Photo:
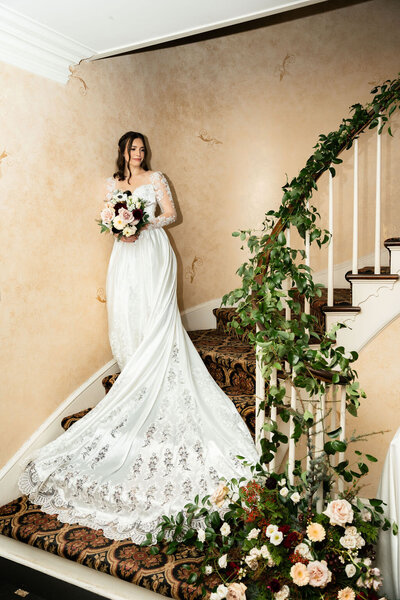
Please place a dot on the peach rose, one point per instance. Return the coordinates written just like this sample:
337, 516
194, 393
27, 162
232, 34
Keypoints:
319, 573
346, 594
339, 512
126, 215
107, 215
299, 574
315, 532
236, 591
219, 495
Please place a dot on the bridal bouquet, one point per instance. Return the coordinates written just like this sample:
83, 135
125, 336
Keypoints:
123, 214
261, 540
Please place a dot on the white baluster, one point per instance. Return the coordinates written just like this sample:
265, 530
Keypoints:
333, 391
288, 282
307, 261
292, 445
273, 383
330, 249
310, 434
260, 397
377, 267
319, 442
355, 209
343, 427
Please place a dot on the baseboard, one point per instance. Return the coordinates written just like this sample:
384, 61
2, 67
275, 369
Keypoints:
200, 316
88, 394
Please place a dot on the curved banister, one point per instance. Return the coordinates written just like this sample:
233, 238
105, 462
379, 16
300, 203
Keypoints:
370, 116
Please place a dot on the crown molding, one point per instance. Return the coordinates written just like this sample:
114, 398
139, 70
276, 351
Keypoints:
27, 44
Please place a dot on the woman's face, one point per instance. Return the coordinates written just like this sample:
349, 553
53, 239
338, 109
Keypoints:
136, 154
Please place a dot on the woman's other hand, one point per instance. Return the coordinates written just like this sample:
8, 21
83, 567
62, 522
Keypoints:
128, 240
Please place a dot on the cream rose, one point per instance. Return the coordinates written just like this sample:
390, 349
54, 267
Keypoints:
208, 569
284, 492
222, 590
223, 561
316, 532
295, 498
346, 594
350, 570
265, 553
236, 591
218, 497
225, 529
253, 534
319, 573
304, 551
339, 512
129, 230
201, 535
299, 574
283, 593
251, 561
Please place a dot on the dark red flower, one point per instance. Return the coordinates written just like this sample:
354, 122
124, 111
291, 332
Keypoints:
118, 206
274, 585
284, 529
137, 213
291, 539
270, 484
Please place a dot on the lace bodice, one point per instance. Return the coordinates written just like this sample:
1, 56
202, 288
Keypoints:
155, 192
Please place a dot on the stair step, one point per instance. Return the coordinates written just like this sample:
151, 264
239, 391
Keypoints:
161, 573
395, 241
368, 273
338, 308
230, 361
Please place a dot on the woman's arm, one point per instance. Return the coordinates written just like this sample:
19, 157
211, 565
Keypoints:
164, 200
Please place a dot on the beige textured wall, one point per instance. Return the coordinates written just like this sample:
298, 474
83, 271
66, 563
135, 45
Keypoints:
226, 119
379, 374
59, 145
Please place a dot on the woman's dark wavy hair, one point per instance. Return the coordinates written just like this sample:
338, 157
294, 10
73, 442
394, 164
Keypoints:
125, 143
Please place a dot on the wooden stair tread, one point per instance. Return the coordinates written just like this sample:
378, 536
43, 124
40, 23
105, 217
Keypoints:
394, 241
367, 273
341, 308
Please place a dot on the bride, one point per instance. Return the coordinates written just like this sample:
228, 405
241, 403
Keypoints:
165, 432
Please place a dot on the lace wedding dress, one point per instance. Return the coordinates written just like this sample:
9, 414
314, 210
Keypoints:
165, 432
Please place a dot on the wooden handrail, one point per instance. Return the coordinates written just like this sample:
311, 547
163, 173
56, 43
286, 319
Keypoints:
280, 225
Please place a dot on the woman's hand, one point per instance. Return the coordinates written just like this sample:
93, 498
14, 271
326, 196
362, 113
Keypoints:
128, 240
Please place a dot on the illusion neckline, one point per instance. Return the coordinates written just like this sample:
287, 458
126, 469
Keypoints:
133, 191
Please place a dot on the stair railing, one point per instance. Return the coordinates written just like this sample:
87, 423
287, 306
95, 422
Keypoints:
334, 391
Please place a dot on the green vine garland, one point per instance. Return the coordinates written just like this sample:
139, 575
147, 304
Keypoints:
311, 354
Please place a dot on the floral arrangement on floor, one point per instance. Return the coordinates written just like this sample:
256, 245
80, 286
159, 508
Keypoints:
261, 541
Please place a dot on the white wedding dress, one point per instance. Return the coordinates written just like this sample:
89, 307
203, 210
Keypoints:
165, 432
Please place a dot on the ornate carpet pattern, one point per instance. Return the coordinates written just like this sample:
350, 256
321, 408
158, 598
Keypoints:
161, 573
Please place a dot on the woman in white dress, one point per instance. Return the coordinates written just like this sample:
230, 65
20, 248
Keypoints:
165, 432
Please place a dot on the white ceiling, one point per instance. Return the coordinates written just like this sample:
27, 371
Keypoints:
78, 29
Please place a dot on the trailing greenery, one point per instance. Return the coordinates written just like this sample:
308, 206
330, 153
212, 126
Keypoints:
304, 355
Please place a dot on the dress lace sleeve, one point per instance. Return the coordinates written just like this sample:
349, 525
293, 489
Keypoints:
164, 201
